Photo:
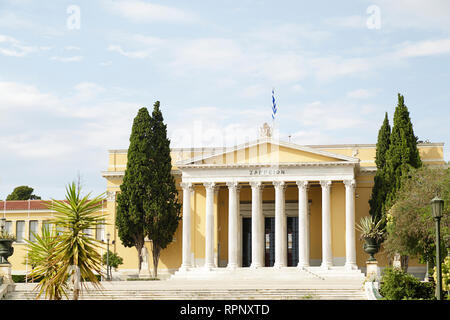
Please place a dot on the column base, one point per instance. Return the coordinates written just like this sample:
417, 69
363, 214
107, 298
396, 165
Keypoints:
351, 266
209, 267
256, 265
326, 265
233, 266
185, 268
278, 266
302, 265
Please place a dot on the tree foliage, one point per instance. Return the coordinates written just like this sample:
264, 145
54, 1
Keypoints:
22, 193
162, 206
411, 227
73, 252
111, 260
134, 191
380, 188
148, 202
402, 154
399, 285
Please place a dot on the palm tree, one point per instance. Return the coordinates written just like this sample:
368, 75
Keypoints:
44, 268
74, 253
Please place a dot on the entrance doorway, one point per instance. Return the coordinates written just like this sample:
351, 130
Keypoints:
246, 242
269, 241
292, 241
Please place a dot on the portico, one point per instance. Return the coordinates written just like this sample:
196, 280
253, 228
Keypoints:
249, 233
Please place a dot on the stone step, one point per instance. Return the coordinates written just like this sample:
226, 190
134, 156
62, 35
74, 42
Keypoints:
207, 294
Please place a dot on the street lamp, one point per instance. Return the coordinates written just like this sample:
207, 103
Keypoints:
437, 206
107, 257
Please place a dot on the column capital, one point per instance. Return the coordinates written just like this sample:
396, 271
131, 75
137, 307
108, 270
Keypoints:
233, 185
326, 184
256, 184
304, 184
210, 186
187, 186
279, 184
350, 183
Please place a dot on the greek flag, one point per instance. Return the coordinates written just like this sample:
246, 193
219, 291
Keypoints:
274, 106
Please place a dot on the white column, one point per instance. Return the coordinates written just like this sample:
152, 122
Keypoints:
303, 224
280, 226
257, 226
327, 258
233, 199
209, 230
186, 255
350, 249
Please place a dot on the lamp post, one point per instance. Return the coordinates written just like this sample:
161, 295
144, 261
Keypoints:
107, 257
437, 205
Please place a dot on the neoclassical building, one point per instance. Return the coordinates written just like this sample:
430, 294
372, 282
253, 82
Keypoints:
265, 204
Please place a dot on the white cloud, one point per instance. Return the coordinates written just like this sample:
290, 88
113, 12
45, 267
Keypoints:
140, 54
19, 96
12, 47
329, 68
355, 21
405, 14
423, 48
215, 53
360, 94
67, 59
139, 11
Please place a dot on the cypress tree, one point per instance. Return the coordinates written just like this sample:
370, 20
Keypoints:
402, 154
135, 188
163, 207
380, 189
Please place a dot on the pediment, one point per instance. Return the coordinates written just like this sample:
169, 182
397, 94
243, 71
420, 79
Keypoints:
267, 151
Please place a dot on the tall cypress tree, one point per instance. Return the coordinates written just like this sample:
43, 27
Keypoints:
135, 188
379, 190
162, 206
402, 153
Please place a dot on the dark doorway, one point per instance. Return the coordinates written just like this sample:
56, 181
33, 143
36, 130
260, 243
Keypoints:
269, 241
292, 241
246, 242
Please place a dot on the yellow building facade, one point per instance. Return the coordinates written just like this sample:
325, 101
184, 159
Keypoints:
267, 203
287, 190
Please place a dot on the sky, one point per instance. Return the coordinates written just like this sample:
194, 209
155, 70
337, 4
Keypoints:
73, 75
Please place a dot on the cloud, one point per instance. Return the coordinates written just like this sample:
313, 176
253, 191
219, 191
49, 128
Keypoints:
19, 96
140, 54
67, 59
138, 11
12, 47
360, 94
407, 14
423, 48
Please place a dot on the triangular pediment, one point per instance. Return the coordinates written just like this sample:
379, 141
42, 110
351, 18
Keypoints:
267, 151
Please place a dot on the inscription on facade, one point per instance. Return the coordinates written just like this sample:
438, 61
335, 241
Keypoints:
266, 172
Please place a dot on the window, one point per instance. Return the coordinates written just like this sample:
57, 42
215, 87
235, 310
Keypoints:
33, 230
100, 232
88, 232
20, 231
8, 227
46, 225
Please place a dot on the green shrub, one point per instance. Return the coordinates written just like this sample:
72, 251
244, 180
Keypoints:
398, 285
